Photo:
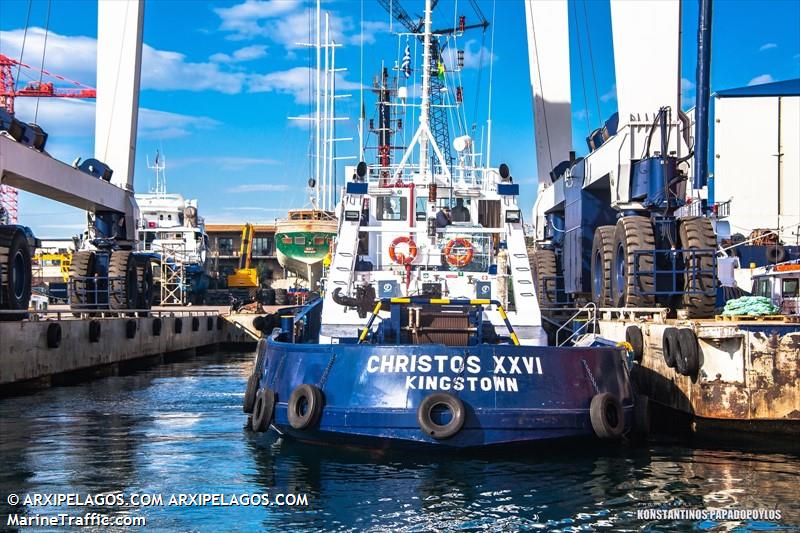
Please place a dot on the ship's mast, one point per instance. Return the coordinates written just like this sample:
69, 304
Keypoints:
426, 90
159, 165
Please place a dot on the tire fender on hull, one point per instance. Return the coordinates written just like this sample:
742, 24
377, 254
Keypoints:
605, 413
305, 406
425, 415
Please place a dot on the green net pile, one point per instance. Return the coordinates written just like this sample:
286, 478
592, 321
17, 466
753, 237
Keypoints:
750, 305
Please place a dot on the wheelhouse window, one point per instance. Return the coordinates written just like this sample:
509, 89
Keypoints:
300, 240
392, 208
790, 288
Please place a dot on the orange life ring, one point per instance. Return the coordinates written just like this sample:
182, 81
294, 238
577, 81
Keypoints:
459, 259
402, 259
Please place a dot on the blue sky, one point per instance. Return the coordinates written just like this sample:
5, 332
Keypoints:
221, 78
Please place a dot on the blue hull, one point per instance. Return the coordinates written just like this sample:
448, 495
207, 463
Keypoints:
511, 394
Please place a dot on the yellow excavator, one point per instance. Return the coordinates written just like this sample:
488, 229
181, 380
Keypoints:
245, 277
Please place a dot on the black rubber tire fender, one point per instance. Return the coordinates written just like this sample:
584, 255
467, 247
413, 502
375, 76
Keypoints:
250, 393
94, 331
263, 409
195, 323
209, 324
605, 413
220, 321
688, 360
633, 336
178, 326
425, 415
54, 335
775, 253
670, 346
603, 249
305, 406
130, 328
157, 327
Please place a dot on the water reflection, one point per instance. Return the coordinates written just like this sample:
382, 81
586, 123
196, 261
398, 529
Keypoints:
178, 428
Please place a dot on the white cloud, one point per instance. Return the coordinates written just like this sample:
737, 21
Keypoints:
288, 23
580, 114
758, 80
67, 118
686, 85
295, 81
76, 57
248, 53
767, 46
245, 20
472, 56
259, 187
610, 95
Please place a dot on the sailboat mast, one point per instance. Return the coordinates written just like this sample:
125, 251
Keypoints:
325, 117
317, 118
332, 129
426, 88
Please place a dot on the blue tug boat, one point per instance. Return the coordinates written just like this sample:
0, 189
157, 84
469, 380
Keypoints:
429, 332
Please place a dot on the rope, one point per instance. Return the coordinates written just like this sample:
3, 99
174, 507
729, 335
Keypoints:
22, 50
44, 52
591, 61
580, 62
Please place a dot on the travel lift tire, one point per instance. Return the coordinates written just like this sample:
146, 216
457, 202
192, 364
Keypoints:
82, 265
15, 276
543, 266
698, 233
144, 274
632, 234
123, 281
602, 257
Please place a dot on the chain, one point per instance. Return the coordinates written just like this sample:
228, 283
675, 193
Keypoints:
591, 377
327, 371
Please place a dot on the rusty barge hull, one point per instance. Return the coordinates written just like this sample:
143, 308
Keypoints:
749, 377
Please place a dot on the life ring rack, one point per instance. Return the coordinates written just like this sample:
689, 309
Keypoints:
402, 259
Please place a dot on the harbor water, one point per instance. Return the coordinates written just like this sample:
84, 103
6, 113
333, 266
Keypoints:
178, 429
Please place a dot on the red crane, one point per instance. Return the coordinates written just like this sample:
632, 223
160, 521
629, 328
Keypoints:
36, 88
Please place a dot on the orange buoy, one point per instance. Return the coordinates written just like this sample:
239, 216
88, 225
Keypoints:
461, 258
401, 258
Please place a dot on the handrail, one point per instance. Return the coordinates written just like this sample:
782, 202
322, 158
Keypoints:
420, 300
591, 310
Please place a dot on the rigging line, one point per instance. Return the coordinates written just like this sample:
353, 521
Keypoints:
580, 64
539, 74
44, 52
591, 61
479, 78
22, 50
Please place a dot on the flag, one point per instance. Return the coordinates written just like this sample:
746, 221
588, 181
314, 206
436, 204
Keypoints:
440, 70
406, 64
